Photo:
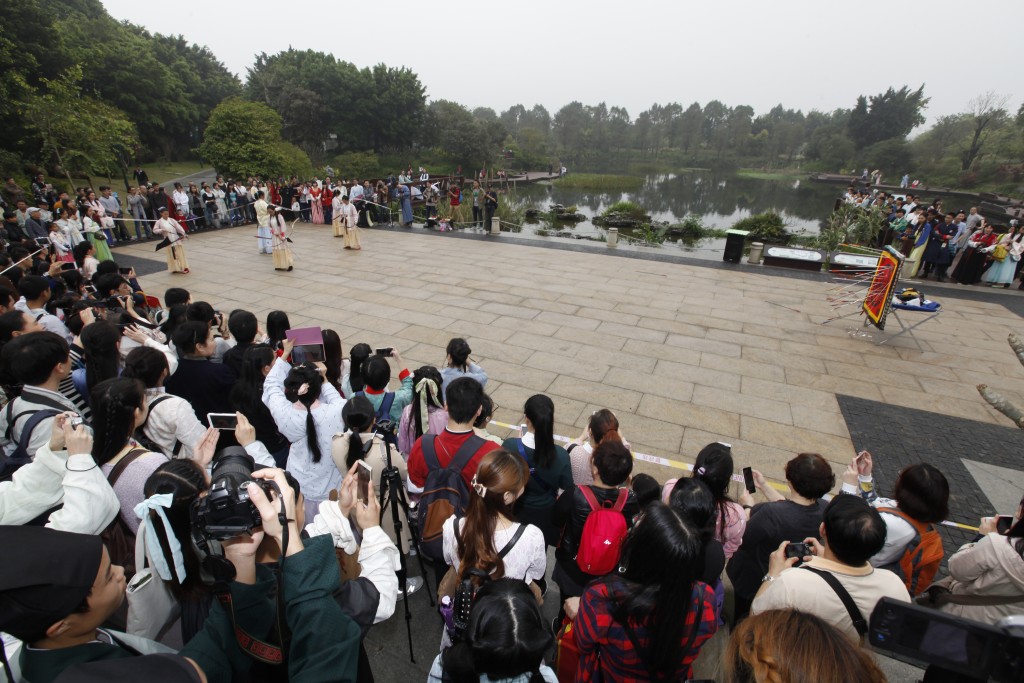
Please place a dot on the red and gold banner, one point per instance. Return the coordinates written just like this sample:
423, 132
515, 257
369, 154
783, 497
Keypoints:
883, 283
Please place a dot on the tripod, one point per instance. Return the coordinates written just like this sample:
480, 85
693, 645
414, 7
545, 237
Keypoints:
392, 495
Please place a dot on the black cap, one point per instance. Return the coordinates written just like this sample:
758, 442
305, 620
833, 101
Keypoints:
44, 576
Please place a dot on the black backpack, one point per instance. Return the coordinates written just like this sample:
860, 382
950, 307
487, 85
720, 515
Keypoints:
9, 464
466, 591
444, 493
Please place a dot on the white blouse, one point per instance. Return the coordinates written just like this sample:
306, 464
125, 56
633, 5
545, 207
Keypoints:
526, 561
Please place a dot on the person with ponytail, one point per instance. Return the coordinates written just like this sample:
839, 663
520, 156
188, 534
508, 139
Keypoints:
648, 621
714, 467
505, 642
355, 444
426, 414
118, 408
550, 469
353, 379
602, 425
308, 413
473, 543
173, 487
457, 364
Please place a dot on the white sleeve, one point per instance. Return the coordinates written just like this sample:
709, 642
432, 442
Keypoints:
34, 489
378, 562
329, 520
89, 502
260, 454
172, 358
449, 549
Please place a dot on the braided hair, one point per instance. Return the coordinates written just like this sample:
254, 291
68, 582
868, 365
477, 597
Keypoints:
309, 377
114, 402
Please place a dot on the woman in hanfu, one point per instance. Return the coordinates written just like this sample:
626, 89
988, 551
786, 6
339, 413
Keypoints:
279, 232
171, 230
981, 244
316, 208
94, 233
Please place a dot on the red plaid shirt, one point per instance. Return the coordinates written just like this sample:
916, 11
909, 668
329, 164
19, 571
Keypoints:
597, 632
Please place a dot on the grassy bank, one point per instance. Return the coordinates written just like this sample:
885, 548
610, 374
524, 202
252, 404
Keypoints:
599, 181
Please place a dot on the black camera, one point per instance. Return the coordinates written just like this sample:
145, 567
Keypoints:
799, 550
226, 512
974, 650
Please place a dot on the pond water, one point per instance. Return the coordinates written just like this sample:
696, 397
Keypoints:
720, 200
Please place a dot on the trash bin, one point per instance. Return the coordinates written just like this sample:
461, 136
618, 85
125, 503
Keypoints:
734, 240
756, 250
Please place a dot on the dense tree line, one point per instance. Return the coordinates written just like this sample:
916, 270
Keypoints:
134, 95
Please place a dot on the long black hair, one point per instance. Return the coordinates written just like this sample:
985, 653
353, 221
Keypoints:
114, 402
358, 414
714, 467
506, 636
661, 560
360, 352
540, 411
297, 376
247, 394
421, 392
185, 480
458, 350
100, 352
332, 357
694, 501
277, 325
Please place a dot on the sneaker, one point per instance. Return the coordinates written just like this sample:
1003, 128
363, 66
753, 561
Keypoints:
412, 584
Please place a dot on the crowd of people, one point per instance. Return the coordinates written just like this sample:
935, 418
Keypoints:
958, 244
174, 473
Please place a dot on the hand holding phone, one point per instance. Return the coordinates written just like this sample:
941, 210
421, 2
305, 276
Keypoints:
225, 422
385, 351
1003, 524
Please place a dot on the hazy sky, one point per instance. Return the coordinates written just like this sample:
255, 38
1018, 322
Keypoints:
805, 54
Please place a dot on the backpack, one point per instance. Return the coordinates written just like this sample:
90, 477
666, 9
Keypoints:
9, 464
384, 413
444, 493
465, 592
922, 556
603, 533
118, 538
146, 442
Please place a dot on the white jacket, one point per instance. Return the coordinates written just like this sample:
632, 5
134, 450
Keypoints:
316, 478
378, 556
992, 566
54, 478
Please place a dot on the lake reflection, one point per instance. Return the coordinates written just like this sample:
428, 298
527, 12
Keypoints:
719, 199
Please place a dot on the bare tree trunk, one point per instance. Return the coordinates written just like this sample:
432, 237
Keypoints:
1017, 344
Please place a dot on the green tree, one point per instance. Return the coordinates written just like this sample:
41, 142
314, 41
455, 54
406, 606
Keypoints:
79, 132
244, 139
987, 114
458, 135
892, 114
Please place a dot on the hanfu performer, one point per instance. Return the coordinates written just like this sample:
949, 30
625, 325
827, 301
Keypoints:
279, 233
349, 224
173, 234
94, 233
262, 223
336, 205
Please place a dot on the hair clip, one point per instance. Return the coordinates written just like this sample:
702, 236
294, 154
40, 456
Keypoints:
480, 489
303, 389
700, 471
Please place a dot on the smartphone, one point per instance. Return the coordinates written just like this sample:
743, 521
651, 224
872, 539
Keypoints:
125, 271
308, 353
43, 242
1003, 523
91, 289
799, 551
748, 479
386, 351
68, 265
223, 421
363, 475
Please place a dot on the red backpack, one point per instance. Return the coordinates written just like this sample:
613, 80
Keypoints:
603, 533
922, 556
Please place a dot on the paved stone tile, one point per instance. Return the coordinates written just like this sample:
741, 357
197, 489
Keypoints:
474, 330
568, 320
566, 366
690, 415
627, 361
538, 342
651, 384
630, 332
595, 392
742, 366
699, 375
766, 409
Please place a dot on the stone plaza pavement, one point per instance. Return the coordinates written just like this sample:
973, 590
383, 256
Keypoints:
684, 354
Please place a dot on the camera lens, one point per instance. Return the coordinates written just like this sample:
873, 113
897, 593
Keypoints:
232, 466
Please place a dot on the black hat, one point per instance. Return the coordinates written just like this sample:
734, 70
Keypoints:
45, 575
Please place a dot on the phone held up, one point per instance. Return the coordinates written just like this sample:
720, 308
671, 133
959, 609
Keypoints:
748, 480
363, 475
225, 422
1003, 524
